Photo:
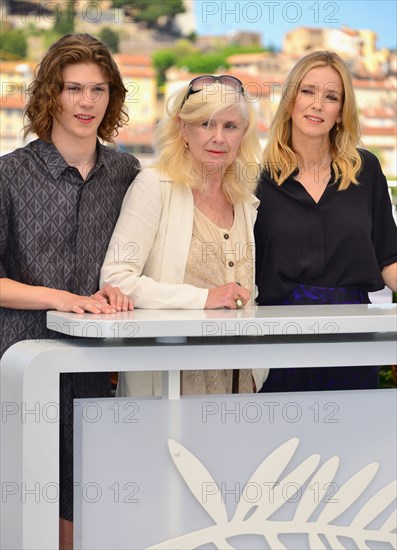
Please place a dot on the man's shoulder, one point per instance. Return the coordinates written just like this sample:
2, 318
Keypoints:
19, 154
24, 160
119, 158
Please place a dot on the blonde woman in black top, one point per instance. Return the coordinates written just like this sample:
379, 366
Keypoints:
325, 232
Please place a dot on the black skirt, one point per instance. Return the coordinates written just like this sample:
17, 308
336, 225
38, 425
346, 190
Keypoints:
324, 378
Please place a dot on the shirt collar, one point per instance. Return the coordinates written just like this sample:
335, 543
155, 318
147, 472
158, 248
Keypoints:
51, 157
254, 201
56, 163
104, 156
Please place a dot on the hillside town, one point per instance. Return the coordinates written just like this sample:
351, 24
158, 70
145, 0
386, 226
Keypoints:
263, 74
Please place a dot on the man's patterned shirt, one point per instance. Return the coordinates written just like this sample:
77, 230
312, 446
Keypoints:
54, 226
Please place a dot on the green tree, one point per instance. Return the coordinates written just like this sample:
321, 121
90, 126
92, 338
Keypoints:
203, 63
118, 4
163, 60
149, 11
185, 54
13, 43
110, 38
192, 36
64, 23
184, 47
235, 48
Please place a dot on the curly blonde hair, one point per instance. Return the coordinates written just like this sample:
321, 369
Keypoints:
280, 160
241, 176
44, 92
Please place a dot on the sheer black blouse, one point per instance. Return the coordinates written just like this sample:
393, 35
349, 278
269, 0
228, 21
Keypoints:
344, 240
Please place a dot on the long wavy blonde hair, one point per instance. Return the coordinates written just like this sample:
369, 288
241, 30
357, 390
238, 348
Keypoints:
280, 160
174, 159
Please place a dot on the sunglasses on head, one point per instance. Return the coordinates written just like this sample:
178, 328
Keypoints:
196, 85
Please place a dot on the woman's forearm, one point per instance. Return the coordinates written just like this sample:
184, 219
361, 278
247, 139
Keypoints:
389, 274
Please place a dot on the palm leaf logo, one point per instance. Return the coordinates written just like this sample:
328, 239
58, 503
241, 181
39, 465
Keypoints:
255, 519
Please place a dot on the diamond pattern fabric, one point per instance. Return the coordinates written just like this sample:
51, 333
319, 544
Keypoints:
54, 226
54, 231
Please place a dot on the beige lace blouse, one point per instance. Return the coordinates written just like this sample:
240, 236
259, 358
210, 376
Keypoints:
216, 257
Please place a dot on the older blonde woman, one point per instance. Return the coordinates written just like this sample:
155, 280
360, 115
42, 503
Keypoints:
184, 239
325, 232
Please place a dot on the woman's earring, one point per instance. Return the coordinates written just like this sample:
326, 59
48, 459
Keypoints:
337, 126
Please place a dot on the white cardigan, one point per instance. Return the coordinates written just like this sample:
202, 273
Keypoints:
148, 251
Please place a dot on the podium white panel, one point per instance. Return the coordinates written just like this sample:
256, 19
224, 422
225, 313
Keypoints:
298, 471
167, 341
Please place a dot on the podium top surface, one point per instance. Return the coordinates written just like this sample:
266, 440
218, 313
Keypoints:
257, 321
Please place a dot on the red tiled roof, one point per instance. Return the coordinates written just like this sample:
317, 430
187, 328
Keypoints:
134, 60
379, 131
372, 84
135, 137
379, 112
247, 57
15, 101
138, 72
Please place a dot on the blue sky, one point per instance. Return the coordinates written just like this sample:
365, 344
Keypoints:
273, 18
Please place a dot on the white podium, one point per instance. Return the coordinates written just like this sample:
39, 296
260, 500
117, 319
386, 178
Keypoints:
276, 337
